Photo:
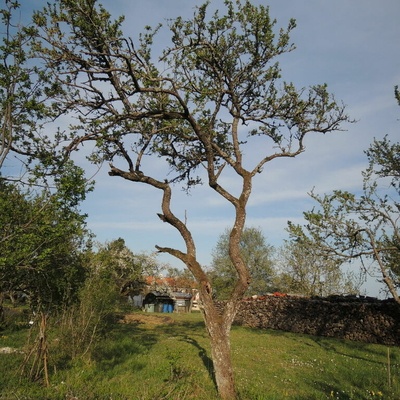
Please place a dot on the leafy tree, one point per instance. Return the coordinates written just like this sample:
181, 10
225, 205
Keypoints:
304, 271
40, 253
213, 92
40, 245
29, 218
43, 231
257, 255
24, 99
124, 269
366, 227
182, 279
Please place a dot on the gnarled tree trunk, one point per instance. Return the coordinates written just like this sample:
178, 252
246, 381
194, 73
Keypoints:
219, 334
218, 320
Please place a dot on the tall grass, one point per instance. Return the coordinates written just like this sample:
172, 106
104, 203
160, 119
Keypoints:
166, 356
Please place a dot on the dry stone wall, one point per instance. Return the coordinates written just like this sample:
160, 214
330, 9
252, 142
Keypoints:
359, 319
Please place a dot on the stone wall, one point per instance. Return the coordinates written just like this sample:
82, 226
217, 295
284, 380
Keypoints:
359, 319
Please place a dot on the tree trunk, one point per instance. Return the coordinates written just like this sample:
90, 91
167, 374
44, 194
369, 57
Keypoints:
218, 322
219, 333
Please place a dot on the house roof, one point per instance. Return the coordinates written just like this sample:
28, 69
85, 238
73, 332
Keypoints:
170, 282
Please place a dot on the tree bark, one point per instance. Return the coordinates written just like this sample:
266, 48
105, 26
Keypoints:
222, 361
218, 321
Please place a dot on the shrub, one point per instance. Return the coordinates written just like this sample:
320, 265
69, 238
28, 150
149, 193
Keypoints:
83, 324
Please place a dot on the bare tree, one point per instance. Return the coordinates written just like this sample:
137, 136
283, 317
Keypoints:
213, 91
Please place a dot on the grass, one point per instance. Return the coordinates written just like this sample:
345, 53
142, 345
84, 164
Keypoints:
166, 356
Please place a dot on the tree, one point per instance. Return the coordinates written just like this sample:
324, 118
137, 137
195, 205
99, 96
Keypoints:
24, 94
43, 237
214, 91
180, 279
43, 231
366, 227
124, 269
257, 255
304, 271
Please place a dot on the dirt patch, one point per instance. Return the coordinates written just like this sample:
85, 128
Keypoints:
147, 319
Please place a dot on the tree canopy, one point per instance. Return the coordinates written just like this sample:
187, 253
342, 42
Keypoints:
257, 255
123, 269
25, 104
40, 246
303, 270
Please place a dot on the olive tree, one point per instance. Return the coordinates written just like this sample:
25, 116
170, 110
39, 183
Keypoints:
214, 90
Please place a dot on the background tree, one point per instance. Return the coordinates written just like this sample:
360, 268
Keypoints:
214, 89
42, 230
125, 270
347, 227
24, 102
41, 247
182, 278
42, 237
302, 270
257, 255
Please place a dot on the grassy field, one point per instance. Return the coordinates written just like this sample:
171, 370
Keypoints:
166, 356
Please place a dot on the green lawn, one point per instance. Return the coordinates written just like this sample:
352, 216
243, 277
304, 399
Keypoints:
166, 356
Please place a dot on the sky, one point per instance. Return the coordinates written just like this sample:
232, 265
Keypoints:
353, 46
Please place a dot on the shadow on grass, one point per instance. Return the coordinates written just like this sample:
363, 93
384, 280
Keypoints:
179, 329
347, 348
207, 361
343, 347
332, 389
126, 340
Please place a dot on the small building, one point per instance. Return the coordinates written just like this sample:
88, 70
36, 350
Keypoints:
156, 301
182, 301
136, 300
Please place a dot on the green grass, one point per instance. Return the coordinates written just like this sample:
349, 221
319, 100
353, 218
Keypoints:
167, 357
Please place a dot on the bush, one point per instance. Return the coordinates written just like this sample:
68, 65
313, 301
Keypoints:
84, 323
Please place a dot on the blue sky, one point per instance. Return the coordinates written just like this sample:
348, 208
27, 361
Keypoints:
353, 46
